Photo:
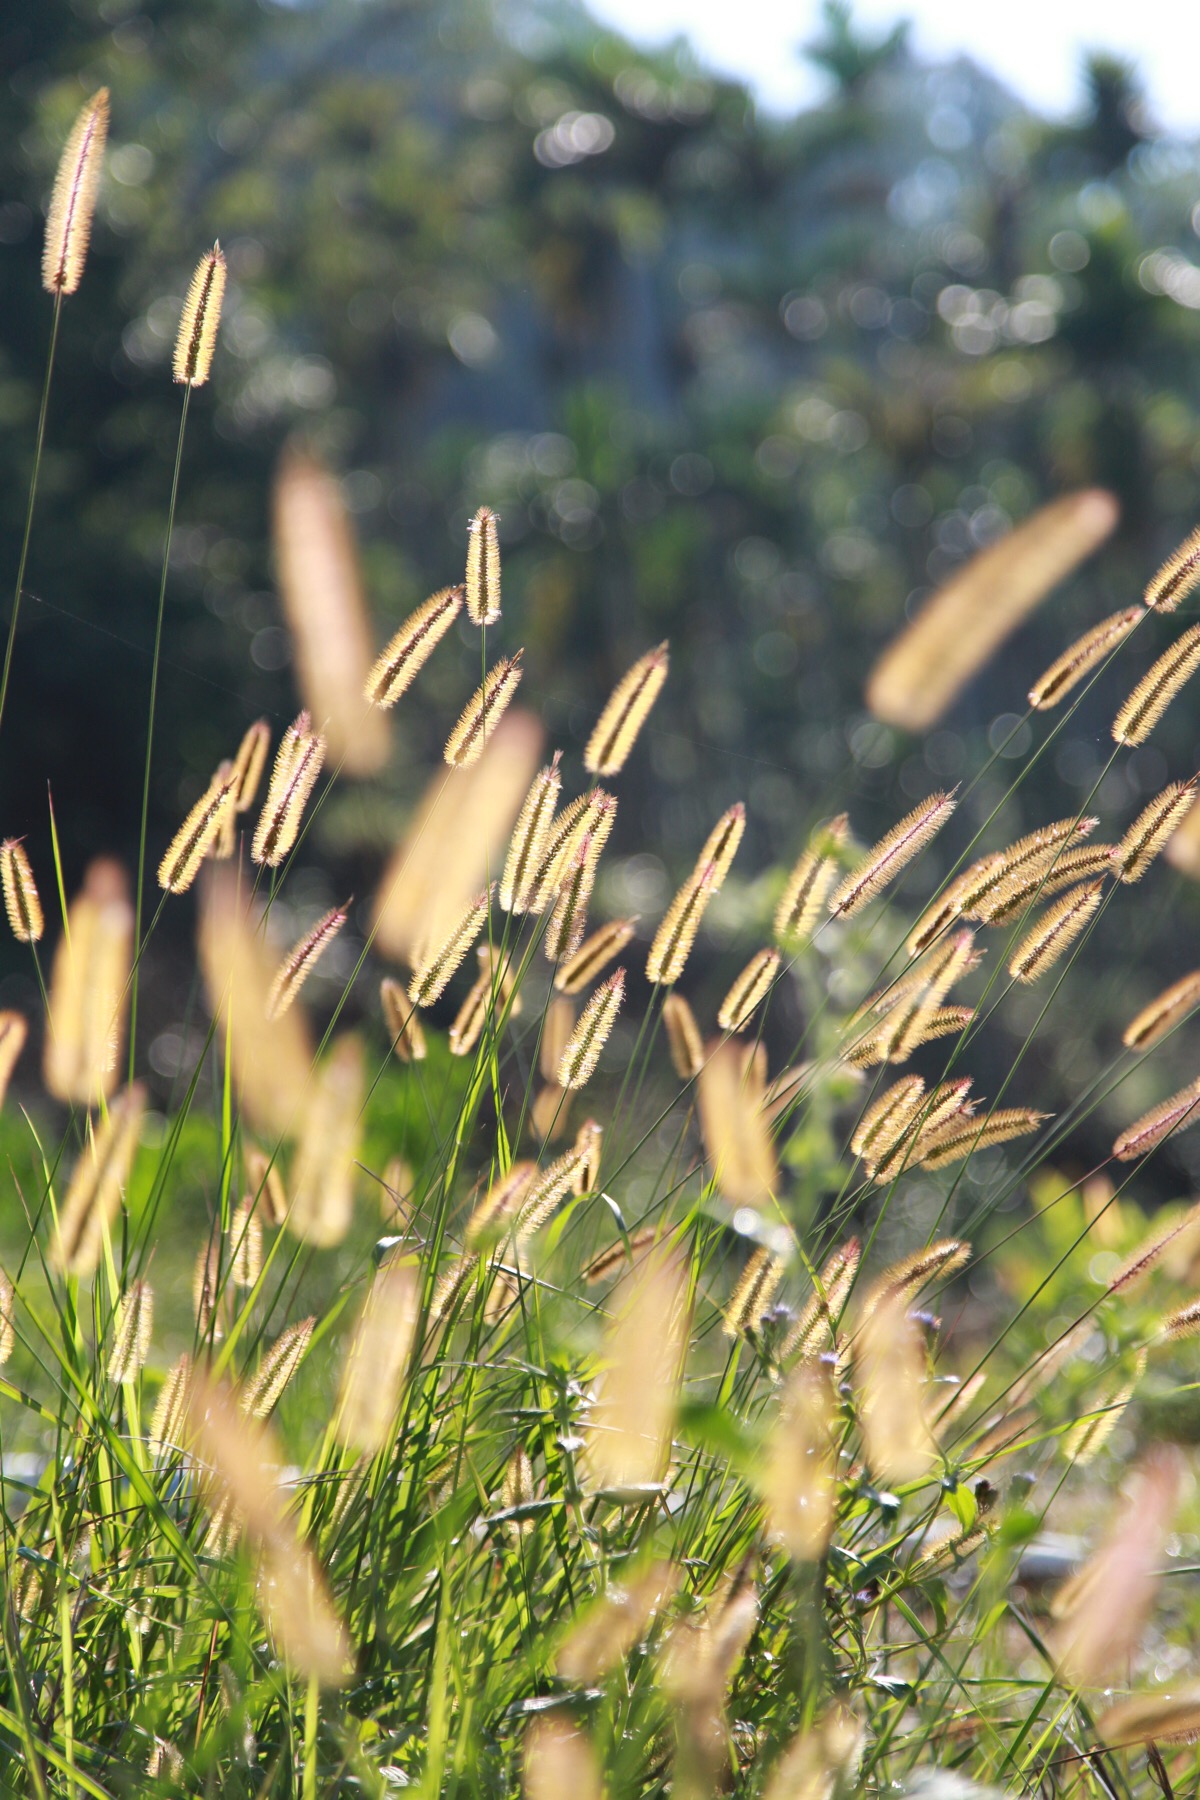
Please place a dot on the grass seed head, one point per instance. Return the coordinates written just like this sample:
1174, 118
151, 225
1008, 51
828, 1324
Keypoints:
1163, 1013
593, 955
684, 1041
625, 712
301, 960
377, 1360
324, 1171
749, 991
196, 338
483, 567
405, 654
436, 968
1157, 688
262, 1391
197, 836
1152, 828
582, 1051
1177, 577
97, 1185
133, 1324
891, 855
530, 838
1070, 668
13, 1031
403, 1026
483, 713
73, 201
1055, 932
802, 903
21, 901
753, 1294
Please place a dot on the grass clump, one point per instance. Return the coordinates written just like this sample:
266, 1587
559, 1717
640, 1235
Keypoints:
370, 1423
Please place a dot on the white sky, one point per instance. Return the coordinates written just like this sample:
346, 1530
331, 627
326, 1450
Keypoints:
1035, 46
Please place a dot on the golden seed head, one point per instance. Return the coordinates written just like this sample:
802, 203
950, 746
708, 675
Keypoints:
21, 901
245, 1244
89, 989
593, 954
735, 1129
1087, 650
483, 713
197, 836
546, 1193
13, 1032
1177, 577
891, 854
568, 921
436, 967
483, 568
582, 1051
326, 1163
397, 665
803, 899
263, 1390
197, 337
471, 1017
377, 1360
625, 713
133, 1323
886, 1119
1151, 829
1163, 1013
298, 762
721, 846
1054, 932
301, 959
171, 1410
249, 763
749, 991
890, 1373
499, 1206
904, 1280
953, 1142
754, 1293
530, 839
400, 1019
1157, 688
1175, 1114
73, 202
928, 664
814, 1329
676, 934
97, 1184
683, 1037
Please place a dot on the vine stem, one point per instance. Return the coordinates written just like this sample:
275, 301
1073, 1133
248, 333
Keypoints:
33, 485
158, 626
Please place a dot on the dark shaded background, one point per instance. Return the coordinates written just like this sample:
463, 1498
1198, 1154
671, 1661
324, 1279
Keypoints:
751, 386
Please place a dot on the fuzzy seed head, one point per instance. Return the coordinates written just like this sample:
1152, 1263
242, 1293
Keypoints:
436, 968
1163, 1013
672, 943
1054, 932
197, 337
196, 837
21, 901
1157, 688
298, 763
580, 970
323, 1174
530, 839
891, 854
13, 1032
754, 1294
625, 713
377, 1361
302, 959
249, 764
97, 1185
1177, 578
483, 713
397, 665
749, 991
721, 846
1087, 650
1169, 1116
803, 899
400, 1020
264, 1389
73, 202
483, 568
133, 1324
590, 1035
683, 1037
1151, 829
